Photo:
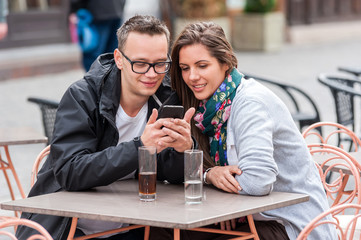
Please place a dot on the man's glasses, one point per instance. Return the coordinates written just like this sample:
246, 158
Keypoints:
143, 67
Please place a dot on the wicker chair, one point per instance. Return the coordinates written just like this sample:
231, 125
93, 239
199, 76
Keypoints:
344, 90
48, 110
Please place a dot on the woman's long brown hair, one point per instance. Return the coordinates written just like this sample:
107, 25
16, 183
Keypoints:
213, 38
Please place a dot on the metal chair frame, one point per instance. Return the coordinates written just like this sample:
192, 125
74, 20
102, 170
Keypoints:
341, 132
336, 189
5, 165
346, 234
344, 90
5, 222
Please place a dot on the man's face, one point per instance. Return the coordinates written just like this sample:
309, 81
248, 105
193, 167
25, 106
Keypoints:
144, 48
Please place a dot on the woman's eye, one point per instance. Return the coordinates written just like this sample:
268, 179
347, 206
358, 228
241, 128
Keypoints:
202, 66
184, 69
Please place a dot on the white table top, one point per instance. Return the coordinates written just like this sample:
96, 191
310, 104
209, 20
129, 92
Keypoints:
20, 135
120, 202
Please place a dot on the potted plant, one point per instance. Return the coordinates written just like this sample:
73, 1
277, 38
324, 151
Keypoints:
259, 27
188, 11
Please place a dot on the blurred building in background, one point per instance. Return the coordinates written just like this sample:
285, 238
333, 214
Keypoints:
39, 39
39, 22
36, 22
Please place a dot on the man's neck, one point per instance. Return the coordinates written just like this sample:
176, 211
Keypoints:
132, 104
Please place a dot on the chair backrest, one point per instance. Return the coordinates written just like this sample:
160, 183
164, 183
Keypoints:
339, 161
343, 90
43, 234
333, 134
346, 233
353, 70
34, 172
303, 109
48, 110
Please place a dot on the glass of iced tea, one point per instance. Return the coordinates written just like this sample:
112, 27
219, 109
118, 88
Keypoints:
147, 177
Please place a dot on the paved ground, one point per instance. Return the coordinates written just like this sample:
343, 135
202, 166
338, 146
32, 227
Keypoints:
297, 64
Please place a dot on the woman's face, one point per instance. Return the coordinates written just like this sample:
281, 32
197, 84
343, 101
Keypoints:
200, 71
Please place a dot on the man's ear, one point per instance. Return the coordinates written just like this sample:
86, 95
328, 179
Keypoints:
118, 58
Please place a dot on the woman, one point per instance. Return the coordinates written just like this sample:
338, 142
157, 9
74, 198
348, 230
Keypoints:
250, 142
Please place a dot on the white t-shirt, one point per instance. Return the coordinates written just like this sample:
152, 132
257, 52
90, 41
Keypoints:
128, 128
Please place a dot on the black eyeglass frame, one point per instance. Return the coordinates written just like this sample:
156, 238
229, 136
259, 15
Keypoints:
149, 64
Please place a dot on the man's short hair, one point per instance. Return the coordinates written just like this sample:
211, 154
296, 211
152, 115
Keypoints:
142, 24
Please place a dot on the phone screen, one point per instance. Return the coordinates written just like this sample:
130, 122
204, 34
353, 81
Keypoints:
171, 111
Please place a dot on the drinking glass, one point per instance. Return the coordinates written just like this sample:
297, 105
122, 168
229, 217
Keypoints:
147, 177
193, 174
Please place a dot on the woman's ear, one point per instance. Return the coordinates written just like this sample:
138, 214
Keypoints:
118, 58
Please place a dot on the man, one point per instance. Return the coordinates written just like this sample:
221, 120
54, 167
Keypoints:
102, 120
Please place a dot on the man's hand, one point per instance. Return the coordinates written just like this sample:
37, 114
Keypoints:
168, 132
178, 132
223, 178
153, 131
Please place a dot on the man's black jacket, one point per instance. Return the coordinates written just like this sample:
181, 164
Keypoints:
84, 152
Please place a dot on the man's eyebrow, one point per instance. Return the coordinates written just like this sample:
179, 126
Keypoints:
147, 60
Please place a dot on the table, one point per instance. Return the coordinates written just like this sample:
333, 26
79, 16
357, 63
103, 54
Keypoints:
119, 202
16, 136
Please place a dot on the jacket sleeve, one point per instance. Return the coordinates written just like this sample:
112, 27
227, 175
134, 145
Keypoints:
253, 133
78, 160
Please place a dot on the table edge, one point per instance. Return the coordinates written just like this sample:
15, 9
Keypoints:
302, 198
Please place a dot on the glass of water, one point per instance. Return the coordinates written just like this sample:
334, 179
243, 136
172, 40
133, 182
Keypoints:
193, 174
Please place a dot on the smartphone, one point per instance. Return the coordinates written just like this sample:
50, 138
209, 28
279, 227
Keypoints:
171, 111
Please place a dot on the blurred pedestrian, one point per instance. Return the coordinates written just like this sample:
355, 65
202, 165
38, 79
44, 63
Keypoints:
97, 23
3, 22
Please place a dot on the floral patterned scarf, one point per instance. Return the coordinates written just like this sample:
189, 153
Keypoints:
212, 115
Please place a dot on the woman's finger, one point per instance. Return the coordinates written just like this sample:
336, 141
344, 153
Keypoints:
222, 186
233, 183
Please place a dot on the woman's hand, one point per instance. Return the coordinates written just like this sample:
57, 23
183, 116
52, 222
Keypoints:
223, 178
